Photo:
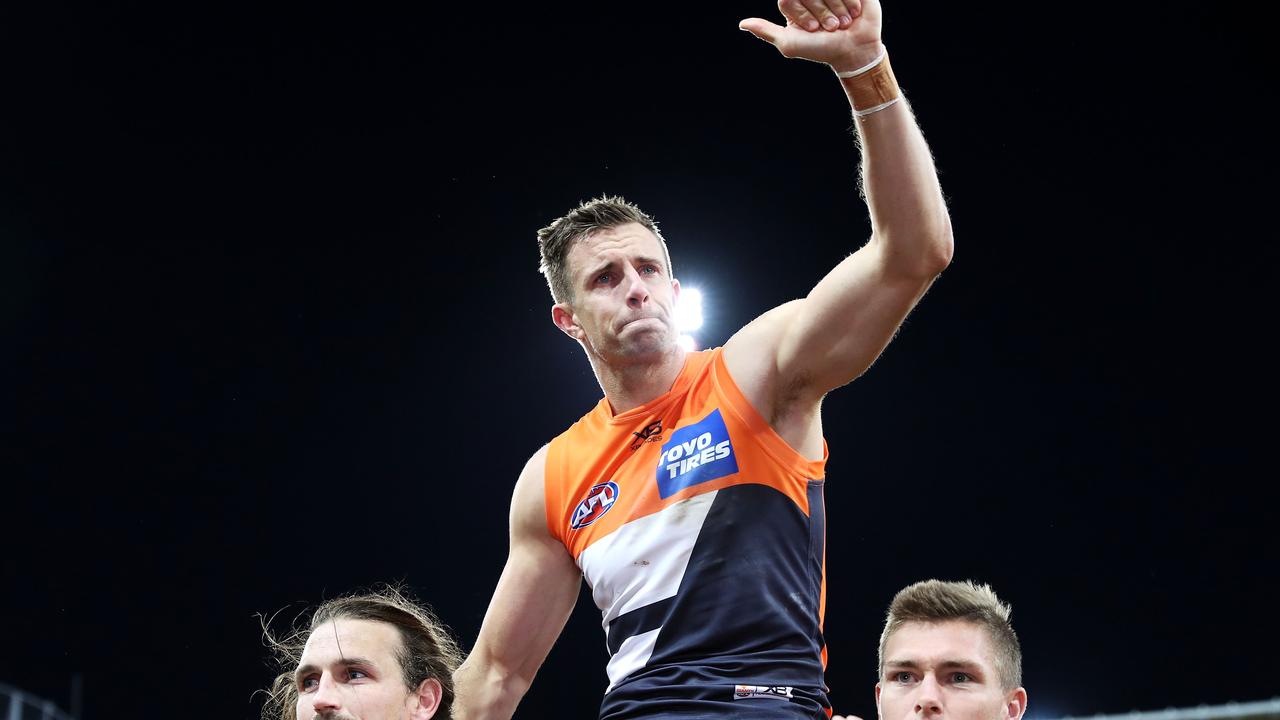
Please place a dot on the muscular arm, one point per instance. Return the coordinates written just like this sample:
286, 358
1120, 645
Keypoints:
849, 317
530, 606
787, 359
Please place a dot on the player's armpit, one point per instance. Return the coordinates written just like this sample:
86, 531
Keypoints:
788, 358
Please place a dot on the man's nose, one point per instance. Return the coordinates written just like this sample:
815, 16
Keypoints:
637, 290
328, 695
928, 698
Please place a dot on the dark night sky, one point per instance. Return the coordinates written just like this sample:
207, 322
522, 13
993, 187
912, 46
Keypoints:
271, 327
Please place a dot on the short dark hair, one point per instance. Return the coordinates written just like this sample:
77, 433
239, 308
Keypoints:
602, 213
427, 649
932, 601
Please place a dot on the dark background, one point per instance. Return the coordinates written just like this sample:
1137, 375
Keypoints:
271, 326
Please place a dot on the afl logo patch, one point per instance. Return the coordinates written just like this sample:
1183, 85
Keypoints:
597, 502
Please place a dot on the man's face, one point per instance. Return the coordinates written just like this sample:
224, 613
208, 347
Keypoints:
943, 671
623, 295
349, 671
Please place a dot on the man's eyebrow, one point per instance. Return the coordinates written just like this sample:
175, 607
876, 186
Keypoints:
344, 662
639, 259
597, 269
913, 664
967, 664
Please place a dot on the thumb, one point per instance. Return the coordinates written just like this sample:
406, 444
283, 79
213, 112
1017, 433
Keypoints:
762, 29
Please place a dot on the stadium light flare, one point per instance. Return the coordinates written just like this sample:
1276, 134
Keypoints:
689, 310
688, 316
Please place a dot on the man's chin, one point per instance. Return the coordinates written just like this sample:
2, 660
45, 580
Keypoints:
646, 349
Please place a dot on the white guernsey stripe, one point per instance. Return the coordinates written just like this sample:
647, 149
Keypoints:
643, 561
632, 656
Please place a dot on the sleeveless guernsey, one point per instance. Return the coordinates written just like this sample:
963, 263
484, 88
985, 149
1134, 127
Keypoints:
701, 534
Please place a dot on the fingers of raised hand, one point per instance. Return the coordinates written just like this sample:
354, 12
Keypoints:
844, 11
812, 15
798, 15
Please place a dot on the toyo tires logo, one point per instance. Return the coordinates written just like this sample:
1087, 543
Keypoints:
695, 454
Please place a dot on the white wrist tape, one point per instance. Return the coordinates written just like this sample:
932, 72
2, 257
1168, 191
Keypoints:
872, 87
876, 109
864, 68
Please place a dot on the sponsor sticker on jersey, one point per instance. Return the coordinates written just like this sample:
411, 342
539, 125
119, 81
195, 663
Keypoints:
600, 498
696, 454
743, 692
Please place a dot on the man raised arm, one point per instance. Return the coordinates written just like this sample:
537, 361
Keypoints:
787, 359
691, 497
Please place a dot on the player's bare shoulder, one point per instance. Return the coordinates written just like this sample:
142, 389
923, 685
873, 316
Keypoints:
752, 359
528, 500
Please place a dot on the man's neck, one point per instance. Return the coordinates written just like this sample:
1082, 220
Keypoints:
629, 386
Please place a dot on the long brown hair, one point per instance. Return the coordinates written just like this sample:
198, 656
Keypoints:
427, 649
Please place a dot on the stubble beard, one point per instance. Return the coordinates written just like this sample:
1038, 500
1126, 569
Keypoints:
648, 347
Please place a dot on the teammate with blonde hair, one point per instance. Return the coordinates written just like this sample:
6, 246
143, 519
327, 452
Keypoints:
948, 650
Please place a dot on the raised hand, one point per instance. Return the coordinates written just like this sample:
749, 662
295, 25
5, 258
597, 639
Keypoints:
845, 34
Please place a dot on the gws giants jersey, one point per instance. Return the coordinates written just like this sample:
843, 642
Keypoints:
701, 534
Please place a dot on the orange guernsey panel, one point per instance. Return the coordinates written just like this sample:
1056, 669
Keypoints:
701, 533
